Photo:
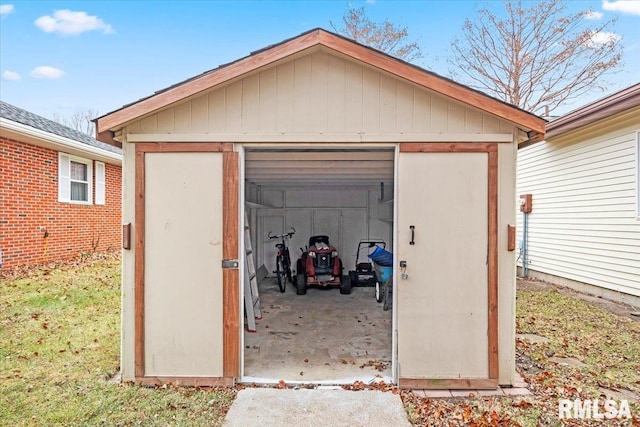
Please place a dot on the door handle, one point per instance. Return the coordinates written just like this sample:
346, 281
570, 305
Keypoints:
413, 229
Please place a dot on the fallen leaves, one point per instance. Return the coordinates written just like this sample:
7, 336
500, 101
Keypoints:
378, 365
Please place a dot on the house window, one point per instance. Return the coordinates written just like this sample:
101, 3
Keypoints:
74, 179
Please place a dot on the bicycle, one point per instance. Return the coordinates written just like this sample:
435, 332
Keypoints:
283, 260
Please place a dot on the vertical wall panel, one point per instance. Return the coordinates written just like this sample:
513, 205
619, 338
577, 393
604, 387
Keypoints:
251, 103
490, 123
328, 221
217, 107
404, 110
285, 101
370, 100
149, 124
200, 114
388, 104
456, 115
166, 122
336, 94
353, 97
233, 110
319, 86
273, 222
318, 94
302, 94
473, 119
354, 228
439, 114
183, 117
422, 112
268, 98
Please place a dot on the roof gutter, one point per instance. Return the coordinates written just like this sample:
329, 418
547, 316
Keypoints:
606, 107
60, 141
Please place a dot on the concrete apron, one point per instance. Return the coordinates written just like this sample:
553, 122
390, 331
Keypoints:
322, 337
287, 407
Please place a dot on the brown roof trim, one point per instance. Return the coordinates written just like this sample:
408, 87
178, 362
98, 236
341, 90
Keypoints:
112, 121
618, 102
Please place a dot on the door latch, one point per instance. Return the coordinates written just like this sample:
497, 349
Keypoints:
230, 263
403, 270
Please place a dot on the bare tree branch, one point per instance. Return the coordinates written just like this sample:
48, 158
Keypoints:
384, 36
535, 55
80, 120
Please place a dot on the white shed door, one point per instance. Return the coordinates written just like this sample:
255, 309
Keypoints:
183, 264
442, 306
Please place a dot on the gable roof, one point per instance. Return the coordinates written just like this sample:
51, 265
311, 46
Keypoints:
31, 120
603, 108
534, 125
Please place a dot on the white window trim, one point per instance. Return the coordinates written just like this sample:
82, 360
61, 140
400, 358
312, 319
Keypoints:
66, 180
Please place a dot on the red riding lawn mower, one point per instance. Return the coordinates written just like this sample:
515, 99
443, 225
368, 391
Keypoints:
320, 266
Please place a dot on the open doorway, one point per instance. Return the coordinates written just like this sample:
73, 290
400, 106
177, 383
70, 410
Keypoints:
346, 193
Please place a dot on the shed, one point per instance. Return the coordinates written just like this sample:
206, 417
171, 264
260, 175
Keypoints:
323, 133
584, 226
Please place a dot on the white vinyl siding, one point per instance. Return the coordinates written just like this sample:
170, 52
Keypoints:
100, 184
583, 226
638, 176
75, 179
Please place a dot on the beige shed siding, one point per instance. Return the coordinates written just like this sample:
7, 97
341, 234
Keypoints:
127, 343
506, 263
584, 223
320, 93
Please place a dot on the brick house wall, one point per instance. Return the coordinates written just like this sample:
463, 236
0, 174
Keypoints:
29, 207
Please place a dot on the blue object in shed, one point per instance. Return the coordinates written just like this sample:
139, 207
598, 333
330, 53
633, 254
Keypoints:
382, 257
384, 273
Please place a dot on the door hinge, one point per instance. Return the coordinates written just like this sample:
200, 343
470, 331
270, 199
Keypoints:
230, 263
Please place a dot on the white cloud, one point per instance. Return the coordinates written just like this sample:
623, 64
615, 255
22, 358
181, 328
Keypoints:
46, 72
604, 37
10, 75
632, 7
593, 15
6, 9
69, 22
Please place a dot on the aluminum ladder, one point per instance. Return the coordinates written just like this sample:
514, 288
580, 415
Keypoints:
251, 295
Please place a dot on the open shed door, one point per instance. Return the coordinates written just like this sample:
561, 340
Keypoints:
186, 224
446, 305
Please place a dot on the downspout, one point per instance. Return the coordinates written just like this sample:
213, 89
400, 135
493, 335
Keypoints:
526, 206
525, 243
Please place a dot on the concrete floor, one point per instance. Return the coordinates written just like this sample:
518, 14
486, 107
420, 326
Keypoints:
322, 337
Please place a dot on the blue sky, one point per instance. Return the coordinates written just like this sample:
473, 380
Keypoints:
57, 57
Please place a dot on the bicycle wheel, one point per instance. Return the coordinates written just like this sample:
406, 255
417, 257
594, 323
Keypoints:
280, 274
287, 269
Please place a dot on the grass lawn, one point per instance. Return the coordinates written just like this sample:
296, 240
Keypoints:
586, 353
59, 346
